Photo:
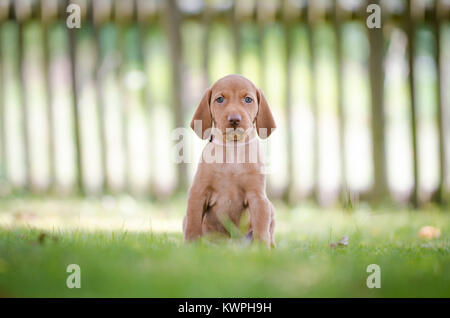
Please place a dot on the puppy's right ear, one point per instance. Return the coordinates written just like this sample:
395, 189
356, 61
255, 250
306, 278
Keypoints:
202, 118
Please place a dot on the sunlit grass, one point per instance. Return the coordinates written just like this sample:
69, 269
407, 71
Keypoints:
135, 249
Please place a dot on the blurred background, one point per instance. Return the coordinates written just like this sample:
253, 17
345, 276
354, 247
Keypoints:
363, 114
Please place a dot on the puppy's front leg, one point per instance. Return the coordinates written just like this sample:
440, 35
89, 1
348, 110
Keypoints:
260, 217
192, 225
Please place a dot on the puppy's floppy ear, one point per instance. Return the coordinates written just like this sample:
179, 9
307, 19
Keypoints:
202, 115
265, 123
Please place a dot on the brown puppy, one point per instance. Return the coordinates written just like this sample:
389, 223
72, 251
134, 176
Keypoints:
230, 177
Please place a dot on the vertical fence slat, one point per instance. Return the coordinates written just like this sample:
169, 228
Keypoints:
313, 100
150, 102
376, 58
3, 154
337, 23
261, 55
441, 191
105, 182
288, 191
48, 98
145, 95
140, 60
123, 95
79, 181
206, 19
23, 102
174, 20
411, 33
235, 29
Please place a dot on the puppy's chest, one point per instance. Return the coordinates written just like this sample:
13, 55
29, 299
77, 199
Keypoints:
229, 187
227, 196
228, 176
227, 180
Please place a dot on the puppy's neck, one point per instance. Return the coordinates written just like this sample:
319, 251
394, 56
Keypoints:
245, 151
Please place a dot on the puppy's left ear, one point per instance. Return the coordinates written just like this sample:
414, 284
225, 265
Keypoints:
202, 118
265, 123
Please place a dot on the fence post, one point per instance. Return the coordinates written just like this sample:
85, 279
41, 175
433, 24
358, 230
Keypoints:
337, 23
96, 29
3, 154
122, 20
4, 16
23, 95
235, 27
376, 70
173, 20
206, 19
46, 24
411, 33
288, 194
143, 27
441, 191
261, 56
313, 96
79, 183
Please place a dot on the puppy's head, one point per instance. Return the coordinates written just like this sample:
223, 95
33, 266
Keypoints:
234, 105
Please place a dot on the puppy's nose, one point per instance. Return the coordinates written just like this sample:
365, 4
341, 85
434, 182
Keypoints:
234, 119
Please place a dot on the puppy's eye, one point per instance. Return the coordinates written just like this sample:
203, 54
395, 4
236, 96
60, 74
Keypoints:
248, 100
219, 100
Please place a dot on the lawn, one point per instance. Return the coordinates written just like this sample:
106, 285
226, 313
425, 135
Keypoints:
128, 248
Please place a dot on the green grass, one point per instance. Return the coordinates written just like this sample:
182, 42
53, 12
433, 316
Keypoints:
135, 249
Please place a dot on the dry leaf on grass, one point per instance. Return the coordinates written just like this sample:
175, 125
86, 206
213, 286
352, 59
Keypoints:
429, 232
